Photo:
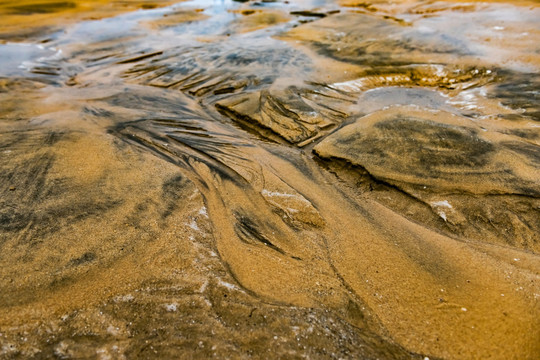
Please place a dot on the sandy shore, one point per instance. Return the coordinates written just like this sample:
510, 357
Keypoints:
270, 180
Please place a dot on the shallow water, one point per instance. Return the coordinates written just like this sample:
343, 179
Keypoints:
269, 179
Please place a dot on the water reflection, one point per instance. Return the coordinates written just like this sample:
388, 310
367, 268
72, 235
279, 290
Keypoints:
17, 59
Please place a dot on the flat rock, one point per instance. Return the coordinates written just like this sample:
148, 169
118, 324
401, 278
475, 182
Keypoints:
433, 149
444, 171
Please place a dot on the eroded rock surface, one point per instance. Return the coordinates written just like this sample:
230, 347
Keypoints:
435, 155
435, 149
295, 115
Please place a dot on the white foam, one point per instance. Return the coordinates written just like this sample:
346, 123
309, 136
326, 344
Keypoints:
203, 212
350, 86
443, 203
268, 193
194, 226
227, 285
442, 214
113, 330
275, 193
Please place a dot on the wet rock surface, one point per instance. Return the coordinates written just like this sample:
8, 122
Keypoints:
269, 180
435, 155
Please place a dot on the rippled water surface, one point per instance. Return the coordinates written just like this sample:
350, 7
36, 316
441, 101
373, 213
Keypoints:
270, 179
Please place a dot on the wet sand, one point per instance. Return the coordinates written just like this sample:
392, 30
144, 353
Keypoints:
270, 180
